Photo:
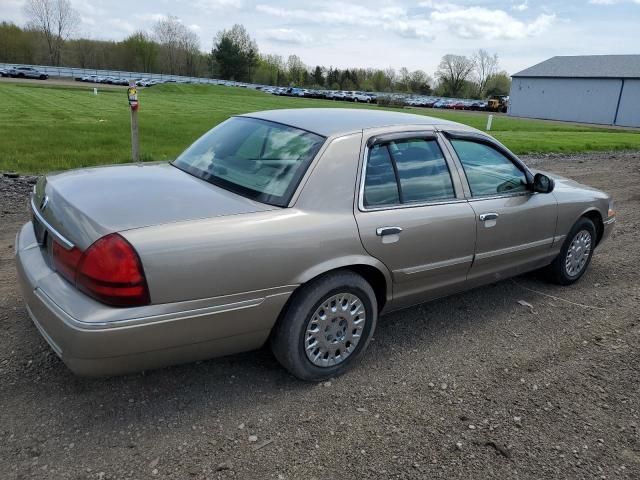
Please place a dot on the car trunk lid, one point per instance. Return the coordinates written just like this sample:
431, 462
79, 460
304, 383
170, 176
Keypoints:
84, 205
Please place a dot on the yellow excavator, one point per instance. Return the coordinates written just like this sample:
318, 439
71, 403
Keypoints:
498, 103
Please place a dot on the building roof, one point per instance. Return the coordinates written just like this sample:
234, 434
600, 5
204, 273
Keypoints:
586, 66
334, 121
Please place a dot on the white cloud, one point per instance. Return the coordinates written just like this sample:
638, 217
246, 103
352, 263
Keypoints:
468, 22
287, 35
150, 17
215, 4
484, 23
389, 18
121, 25
521, 7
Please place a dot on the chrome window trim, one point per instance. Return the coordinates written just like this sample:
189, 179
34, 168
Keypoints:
496, 197
66, 244
403, 136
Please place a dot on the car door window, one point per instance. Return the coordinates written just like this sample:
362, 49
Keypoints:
422, 169
405, 172
380, 184
488, 171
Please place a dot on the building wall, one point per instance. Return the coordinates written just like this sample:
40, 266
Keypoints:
570, 99
629, 112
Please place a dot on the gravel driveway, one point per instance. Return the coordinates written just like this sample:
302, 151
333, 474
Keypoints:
520, 379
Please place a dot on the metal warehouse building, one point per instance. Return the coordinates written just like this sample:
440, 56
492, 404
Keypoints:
602, 89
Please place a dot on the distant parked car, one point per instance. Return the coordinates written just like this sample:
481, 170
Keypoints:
478, 106
340, 95
4, 72
27, 72
442, 104
359, 97
92, 79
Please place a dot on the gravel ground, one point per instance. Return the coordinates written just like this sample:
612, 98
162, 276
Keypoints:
473, 386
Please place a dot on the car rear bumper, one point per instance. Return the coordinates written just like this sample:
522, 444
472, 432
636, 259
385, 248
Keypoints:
109, 341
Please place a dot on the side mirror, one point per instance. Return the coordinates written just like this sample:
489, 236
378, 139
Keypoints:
542, 183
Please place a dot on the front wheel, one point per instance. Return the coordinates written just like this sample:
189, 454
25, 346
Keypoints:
326, 327
575, 255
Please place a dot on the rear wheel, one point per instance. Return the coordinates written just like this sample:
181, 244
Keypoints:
326, 327
575, 255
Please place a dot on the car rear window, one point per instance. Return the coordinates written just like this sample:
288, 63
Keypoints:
258, 159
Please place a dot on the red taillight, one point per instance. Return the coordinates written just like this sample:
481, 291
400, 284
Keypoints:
109, 271
66, 261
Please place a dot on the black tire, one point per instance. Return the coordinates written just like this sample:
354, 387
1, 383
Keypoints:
288, 336
557, 271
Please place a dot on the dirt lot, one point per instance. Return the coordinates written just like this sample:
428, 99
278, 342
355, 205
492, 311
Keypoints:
473, 386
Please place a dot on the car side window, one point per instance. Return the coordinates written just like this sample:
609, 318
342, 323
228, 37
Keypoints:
405, 172
488, 171
380, 184
422, 169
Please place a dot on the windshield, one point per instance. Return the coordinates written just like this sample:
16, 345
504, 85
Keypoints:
258, 159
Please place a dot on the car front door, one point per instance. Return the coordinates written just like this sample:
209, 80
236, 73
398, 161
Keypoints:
515, 226
412, 215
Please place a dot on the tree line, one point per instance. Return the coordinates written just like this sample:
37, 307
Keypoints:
170, 47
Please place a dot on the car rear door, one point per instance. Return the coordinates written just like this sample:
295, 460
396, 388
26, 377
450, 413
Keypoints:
412, 215
515, 226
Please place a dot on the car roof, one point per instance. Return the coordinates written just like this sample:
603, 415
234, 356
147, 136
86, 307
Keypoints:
335, 121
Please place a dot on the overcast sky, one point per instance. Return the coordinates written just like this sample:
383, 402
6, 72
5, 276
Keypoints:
383, 33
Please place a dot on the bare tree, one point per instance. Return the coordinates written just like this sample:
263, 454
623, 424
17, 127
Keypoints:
404, 77
179, 46
453, 72
420, 82
167, 33
56, 20
190, 47
296, 69
485, 66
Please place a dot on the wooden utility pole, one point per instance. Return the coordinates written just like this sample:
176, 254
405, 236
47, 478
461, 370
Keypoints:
135, 154
132, 94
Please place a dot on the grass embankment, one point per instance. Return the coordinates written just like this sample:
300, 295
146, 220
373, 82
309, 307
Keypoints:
45, 128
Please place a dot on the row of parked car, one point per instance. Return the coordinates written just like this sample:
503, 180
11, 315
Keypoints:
113, 80
495, 104
23, 72
448, 103
348, 96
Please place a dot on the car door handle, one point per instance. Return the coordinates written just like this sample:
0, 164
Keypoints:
382, 231
488, 216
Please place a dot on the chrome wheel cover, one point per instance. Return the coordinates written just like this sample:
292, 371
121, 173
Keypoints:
334, 330
578, 253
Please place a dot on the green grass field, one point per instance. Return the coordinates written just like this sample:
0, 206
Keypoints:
45, 128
